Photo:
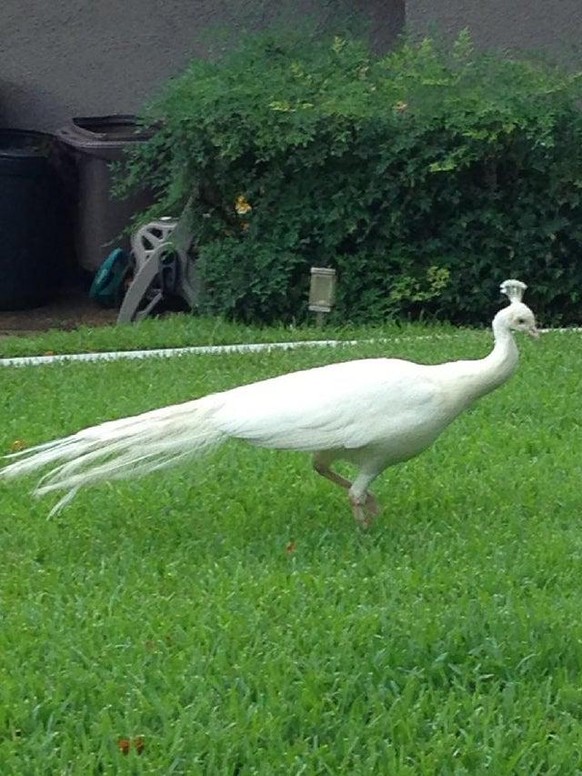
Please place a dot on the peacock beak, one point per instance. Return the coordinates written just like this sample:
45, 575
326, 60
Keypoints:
533, 332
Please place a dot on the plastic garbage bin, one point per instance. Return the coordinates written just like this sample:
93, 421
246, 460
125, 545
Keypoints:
32, 220
97, 142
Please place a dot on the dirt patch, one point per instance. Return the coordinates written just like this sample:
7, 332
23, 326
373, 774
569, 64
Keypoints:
69, 311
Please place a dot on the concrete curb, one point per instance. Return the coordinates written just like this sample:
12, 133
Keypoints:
214, 349
170, 352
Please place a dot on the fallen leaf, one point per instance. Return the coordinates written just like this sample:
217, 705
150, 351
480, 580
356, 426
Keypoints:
124, 744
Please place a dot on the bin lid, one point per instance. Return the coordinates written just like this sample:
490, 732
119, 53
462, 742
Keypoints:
91, 133
24, 143
25, 152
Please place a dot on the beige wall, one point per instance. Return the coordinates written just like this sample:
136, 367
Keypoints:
68, 58
521, 24
65, 58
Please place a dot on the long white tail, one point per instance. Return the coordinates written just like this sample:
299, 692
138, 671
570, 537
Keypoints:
122, 448
326, 408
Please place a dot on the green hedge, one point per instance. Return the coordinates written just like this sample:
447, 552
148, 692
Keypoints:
425, 177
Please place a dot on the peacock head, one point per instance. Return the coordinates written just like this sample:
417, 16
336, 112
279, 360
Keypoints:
517, 315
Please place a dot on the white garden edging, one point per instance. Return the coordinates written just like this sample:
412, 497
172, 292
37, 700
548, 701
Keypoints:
214, 349
169, 352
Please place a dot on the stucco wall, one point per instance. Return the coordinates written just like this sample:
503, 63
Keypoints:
520, 24
67, 58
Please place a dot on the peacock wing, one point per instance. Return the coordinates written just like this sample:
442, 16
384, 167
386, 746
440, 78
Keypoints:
345, 405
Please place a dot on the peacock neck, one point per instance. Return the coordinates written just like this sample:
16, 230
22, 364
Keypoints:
501, 363
473, 379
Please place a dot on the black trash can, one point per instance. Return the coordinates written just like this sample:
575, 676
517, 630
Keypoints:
96, 142
32, 220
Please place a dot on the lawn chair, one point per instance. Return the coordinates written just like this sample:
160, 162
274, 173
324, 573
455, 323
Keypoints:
165, 268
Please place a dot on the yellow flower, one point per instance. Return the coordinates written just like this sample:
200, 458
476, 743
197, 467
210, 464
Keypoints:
241, 205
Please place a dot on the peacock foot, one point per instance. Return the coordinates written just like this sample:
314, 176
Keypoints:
366, 510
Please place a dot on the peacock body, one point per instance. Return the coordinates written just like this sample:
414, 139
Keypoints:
373, 413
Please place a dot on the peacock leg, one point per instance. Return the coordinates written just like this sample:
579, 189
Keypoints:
321, 466
364, 504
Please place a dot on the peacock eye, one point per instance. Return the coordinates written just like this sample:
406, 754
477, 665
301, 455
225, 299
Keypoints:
521, 320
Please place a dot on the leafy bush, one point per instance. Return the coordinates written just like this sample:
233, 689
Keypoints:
425, 177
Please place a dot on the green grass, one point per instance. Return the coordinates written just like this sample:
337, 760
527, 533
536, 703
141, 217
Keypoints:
183, 330
232, 614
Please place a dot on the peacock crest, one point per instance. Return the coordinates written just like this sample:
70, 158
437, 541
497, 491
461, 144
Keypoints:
513, 289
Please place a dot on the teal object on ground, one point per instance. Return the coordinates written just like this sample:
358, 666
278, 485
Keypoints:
108, 285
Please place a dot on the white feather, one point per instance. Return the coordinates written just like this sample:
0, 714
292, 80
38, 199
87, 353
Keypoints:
371, 412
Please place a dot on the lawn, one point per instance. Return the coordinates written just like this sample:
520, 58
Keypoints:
178, 331
229, 618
